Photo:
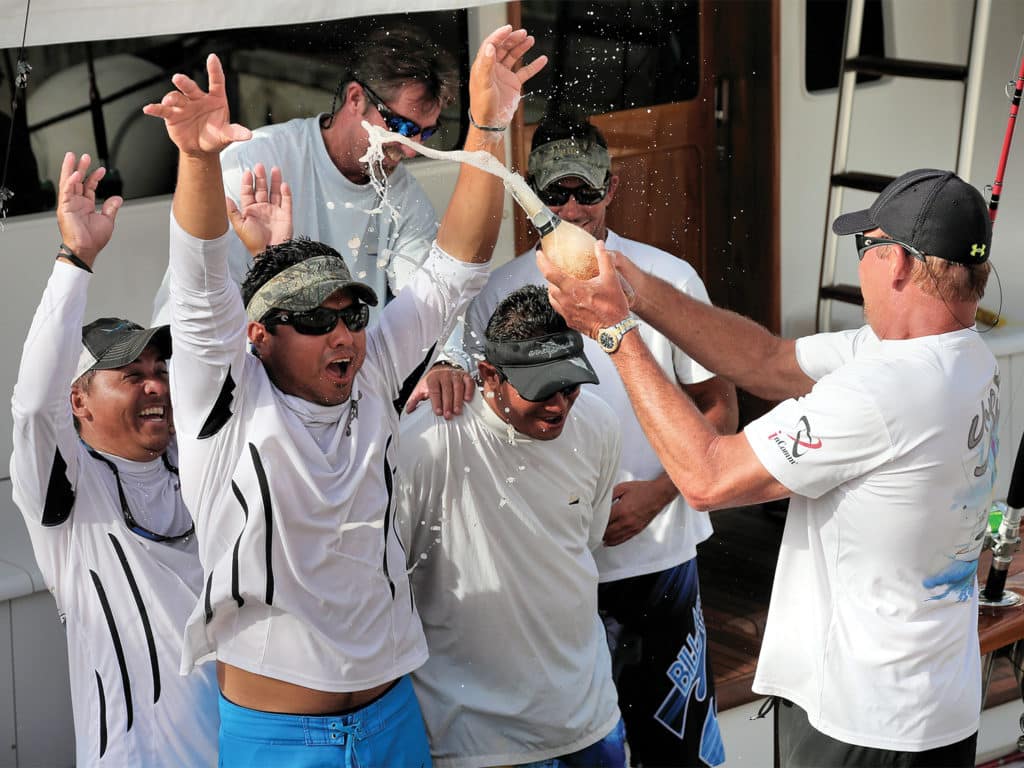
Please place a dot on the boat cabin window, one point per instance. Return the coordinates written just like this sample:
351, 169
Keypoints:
88, 97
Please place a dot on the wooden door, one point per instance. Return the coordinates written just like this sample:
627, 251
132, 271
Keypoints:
697, 177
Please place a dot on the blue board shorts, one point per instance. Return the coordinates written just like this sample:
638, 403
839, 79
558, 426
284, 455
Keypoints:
386, 732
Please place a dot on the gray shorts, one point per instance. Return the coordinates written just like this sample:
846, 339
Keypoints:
799, 745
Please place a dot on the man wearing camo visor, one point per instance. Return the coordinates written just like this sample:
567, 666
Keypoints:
502, 508
289, 458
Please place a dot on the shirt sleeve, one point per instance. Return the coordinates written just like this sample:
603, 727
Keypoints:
44, 463
832, 435
611, 450
822, 353
688, 370
465, 345
422, 314
208, 332
412, 236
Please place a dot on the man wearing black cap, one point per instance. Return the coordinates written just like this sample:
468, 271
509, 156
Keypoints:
502, 508
650, 590
103, 506
885, 444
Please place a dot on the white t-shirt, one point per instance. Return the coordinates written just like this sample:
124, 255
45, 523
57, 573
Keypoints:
382, 245
872, 627
673, 535
305, 575
501, 529
124, 599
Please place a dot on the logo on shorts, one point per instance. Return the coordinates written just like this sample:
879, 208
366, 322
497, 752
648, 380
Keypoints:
796, 444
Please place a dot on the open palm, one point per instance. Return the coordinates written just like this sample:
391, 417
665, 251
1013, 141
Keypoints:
198, 121
264, 215
83, 229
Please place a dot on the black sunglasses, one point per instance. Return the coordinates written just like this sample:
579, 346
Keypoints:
129, 518
567, 392
865, 244
403, 126
321, 320
556, 194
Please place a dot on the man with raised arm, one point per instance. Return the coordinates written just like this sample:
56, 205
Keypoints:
288, 452
885, 443
94, 475
396, 78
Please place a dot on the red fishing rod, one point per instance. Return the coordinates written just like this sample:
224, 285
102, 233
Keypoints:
997, 185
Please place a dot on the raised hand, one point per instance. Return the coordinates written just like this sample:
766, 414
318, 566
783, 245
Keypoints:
494, 86
197, 121
83, 229
265, 215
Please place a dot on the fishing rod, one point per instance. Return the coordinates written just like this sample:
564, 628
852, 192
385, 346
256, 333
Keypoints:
997, 185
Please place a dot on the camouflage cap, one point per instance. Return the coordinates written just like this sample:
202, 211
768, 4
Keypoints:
305, 286
565, 158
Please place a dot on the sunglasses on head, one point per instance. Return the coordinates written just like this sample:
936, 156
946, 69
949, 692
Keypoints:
321, 320
403, 126
865, 244
556, 194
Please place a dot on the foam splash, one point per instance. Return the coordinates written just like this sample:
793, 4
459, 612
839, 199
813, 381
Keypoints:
485, 161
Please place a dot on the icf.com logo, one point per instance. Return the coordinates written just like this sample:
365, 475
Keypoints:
799, 442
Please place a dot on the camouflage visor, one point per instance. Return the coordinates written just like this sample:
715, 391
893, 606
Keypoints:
567, 158
306, 286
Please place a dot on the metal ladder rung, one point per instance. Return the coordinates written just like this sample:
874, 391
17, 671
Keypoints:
868, 182
849, 294
928, 70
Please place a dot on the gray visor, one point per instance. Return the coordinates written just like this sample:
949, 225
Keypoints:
538, 368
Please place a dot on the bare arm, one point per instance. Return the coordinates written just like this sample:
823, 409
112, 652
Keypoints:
470, 225
733, 346
709, 469
638, 502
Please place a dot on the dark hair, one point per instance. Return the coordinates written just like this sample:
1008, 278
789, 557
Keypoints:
83, 382
278, 258
526, 313
567, 123
389, 58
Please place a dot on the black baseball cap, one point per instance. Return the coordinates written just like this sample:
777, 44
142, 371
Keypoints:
113, 342
540, 367
935, 211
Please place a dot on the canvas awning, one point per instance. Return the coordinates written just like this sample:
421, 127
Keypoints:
64, 21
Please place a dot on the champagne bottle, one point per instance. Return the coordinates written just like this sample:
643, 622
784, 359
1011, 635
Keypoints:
568, 247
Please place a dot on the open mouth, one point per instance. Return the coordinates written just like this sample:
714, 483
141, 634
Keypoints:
553, 421
152, 413
340, 368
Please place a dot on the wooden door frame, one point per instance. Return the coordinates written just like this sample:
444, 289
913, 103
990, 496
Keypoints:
758, 292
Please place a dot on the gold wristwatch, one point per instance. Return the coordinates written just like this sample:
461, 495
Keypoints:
609, 338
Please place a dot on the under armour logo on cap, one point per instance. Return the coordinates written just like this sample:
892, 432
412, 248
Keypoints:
935, 211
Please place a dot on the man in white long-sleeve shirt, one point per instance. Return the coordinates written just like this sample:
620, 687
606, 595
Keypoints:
288, 453
103, 507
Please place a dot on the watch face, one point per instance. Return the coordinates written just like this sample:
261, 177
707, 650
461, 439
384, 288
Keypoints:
606, 340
